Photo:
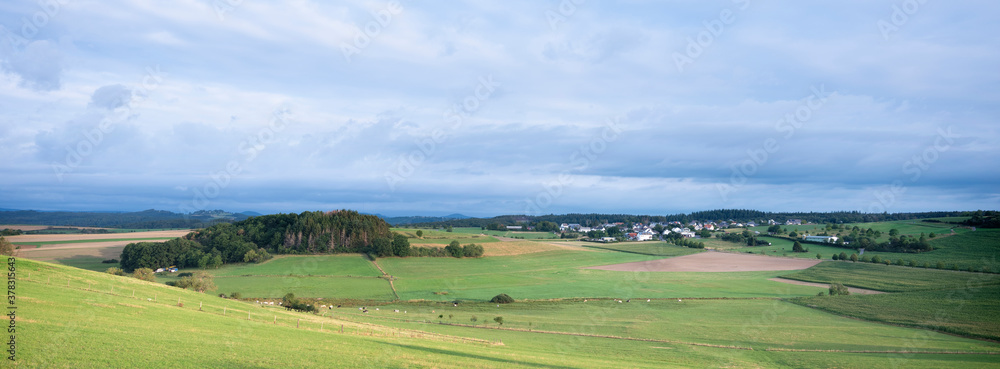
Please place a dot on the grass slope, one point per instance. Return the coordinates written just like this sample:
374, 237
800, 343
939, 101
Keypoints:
890, 278
970, 311
71, 318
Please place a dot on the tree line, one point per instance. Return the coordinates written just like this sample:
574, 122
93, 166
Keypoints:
742, 215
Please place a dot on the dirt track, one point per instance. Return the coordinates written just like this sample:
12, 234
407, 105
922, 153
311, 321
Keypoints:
711, 261
856, 291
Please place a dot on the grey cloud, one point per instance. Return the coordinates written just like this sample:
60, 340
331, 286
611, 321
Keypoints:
111, 96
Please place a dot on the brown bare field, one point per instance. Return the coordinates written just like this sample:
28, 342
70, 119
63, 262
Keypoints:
23, 227
100, 236
103, 250
713, 262
854, 290
519, 247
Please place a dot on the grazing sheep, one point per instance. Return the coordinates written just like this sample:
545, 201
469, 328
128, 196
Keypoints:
647, 300
396, 311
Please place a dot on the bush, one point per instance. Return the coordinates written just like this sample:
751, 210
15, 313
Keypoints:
499, 320
838, 289
235, 295
145, 274
420, 234
109, 261
913, 263
502, 298
876, 259
797, 247
899, 262
200, 282
472, 251
887, 262
939, 265
819, 257
834, 257
115, 271
854, 258
454, 249
185, 274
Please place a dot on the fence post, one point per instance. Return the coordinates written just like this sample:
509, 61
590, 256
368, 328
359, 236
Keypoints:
223, 311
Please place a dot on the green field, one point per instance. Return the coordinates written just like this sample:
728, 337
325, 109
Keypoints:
71, 318
509, 234
558, 274
972, 310
322, 265
964, 249
891, 278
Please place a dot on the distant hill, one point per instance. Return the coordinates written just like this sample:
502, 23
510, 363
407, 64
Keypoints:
422, 219
141, 219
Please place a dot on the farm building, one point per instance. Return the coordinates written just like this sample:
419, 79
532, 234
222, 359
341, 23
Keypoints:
829, 239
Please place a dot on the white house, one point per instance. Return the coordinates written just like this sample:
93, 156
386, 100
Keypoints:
644, 237
829, 239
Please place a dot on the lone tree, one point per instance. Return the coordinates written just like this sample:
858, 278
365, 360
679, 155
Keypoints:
797, 247
502, 298
499, 320
420, 233
6, 248
838, 289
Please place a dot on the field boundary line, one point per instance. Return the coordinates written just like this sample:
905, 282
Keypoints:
388, 277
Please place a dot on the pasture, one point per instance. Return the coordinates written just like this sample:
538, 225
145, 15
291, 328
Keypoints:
891, 278
74, 318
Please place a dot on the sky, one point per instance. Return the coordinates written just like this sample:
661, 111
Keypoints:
489, 108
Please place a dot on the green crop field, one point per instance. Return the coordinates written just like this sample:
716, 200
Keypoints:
321, 265
71, 318
962, 250
972, 310
558, 274
891, 278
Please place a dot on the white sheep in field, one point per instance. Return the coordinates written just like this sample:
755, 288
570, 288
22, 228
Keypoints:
396, 311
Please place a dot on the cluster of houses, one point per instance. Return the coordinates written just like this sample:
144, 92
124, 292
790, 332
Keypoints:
648, 232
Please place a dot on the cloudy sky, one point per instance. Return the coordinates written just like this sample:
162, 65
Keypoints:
487, 108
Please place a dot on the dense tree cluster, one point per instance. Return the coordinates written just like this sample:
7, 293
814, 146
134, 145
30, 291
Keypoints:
985, 219
745, 238
255, 239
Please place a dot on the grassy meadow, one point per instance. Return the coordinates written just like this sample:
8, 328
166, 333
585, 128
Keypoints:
71, 318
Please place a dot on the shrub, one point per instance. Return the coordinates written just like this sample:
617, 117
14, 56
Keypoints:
913, 263
145, 274
502, 298
899, 262
115, 271
843, 255
797, 247
109, 261
454, 249
854, 258
940, 265
838, 289
499, 320
835, 257
185, 274
818, 256
200, 282
472, 251
235, 295
887, 262
420, 234
876, 259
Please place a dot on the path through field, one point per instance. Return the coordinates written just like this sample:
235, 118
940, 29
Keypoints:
854, 290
